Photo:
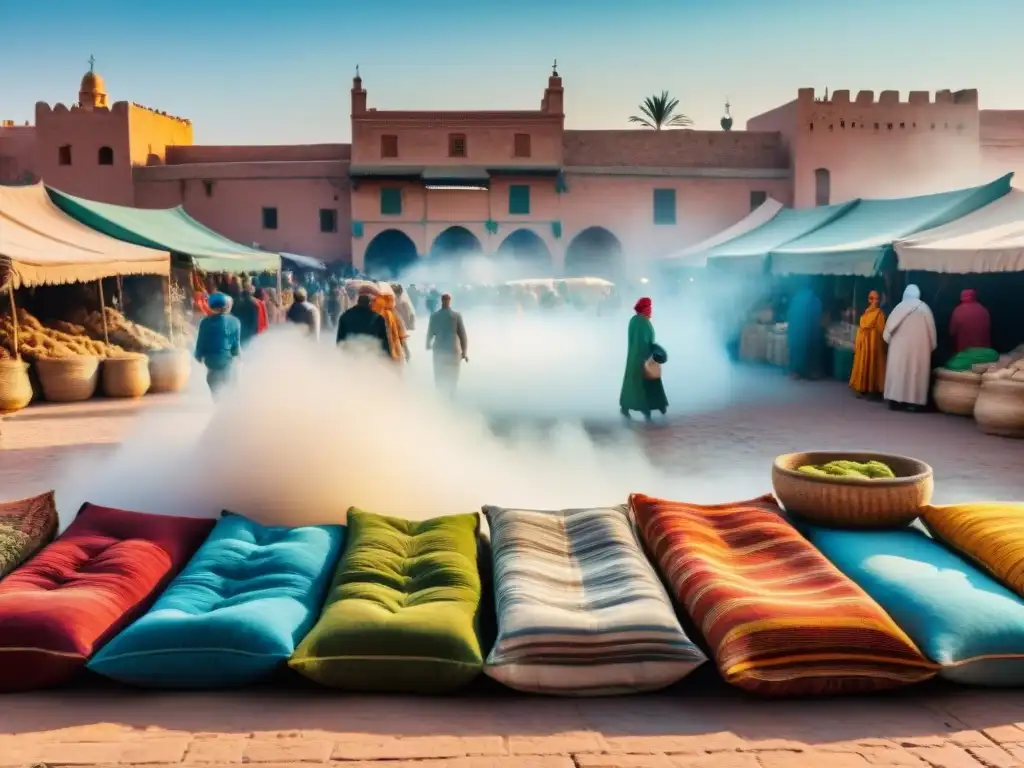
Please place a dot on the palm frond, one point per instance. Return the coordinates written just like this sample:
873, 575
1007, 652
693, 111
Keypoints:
658, 112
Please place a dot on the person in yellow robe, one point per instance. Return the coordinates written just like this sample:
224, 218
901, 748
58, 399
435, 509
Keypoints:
386, 306
868, 377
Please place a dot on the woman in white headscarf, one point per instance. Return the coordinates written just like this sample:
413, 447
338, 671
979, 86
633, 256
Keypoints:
910, 334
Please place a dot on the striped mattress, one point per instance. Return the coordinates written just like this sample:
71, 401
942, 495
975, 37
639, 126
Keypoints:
779, 618
581, 612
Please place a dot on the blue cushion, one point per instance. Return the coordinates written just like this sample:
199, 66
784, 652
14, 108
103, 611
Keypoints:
235, 613
957, 615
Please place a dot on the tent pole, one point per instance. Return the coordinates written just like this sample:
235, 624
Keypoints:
103, 314
280, 294
120, 292
170, 309
14, 317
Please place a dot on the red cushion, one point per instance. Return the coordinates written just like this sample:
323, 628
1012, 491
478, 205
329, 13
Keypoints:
103, 571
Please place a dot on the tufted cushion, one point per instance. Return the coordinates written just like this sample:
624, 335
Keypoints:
991, 534
67, 601
780, 618
26, 526
402, 611
235, 613
960, 617
581, 612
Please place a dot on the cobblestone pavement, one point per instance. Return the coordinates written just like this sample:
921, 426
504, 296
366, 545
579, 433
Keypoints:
699, 725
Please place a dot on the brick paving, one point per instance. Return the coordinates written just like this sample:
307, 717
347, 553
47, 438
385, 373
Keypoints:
700, 724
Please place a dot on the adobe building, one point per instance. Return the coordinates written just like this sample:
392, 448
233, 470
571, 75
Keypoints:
515, 183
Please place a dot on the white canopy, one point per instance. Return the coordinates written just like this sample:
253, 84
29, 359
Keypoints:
696, 255
991, 239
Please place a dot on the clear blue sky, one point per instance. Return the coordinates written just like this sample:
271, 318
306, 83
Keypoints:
259, 72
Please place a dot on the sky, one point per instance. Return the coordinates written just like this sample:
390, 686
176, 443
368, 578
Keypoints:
274, 72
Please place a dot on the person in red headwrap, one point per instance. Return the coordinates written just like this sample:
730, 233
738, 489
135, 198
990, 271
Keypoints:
642, 390
971, 325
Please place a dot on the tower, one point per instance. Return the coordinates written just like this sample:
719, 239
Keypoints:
553, 95
92, 93
358, 95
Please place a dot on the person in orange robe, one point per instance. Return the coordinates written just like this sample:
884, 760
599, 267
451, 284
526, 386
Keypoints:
868, 377
385, 306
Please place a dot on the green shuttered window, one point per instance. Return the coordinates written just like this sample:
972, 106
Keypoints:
519, 199
664, 206
390, 201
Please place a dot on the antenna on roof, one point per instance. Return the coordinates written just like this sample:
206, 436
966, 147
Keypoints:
92, 63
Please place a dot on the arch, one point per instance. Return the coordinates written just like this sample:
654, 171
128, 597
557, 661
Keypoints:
389, 253
527, 249
455, 243
105, 156
595, 252
822, 186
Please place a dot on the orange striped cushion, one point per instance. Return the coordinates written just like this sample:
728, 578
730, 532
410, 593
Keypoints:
779, 618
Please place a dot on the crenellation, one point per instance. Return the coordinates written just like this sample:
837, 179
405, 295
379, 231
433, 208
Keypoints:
841, 97
919, 97
183, 120
889, 98
963, 97
865, 97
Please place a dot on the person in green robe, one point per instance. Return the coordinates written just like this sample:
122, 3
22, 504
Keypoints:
640, 391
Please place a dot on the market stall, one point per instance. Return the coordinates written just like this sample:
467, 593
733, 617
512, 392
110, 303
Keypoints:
696, 255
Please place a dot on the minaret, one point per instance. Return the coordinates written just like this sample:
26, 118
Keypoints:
92, 93
726, 121
358, 95
553, 95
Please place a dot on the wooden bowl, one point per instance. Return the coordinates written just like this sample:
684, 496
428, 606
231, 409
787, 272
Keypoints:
851, 502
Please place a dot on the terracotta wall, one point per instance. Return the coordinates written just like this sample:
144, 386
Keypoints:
17, 153
183, 155
153, 132
1002, 143
676, 149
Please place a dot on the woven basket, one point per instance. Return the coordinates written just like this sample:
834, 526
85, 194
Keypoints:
126, 376
15, 385
68, 379
1000, 408
955, 392
169, 370
853, 503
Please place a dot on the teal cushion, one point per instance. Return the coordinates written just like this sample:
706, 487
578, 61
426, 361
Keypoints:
236, 612
958, 616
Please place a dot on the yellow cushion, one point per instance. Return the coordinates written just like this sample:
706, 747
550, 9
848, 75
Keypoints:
989, 533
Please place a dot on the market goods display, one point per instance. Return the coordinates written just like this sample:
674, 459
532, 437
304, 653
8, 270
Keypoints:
1007, 367
966, 359
126, 376
864, 470
580, 610
54, 340
779, 618
169, 370
15, 385
235, 613
68, 379
956, 391
26, 526
122, 332
849, 501
999, 409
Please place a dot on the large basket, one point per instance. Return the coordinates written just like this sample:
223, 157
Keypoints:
1000, 408
68, 379
126, 376
169, 370
853, 503
955, 392
15, 385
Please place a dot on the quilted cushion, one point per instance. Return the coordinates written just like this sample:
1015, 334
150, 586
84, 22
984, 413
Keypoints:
990, 534
61, 606
779, 617
402, 611
581, 612
960, 617
236, 612
26, 526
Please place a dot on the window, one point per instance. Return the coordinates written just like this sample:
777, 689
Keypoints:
389, 146
522, 145
270, 218
519, 199
456, 145
757, 198
390, 201
208, 188
822, 186
664, 206
64, 155
105, 156
328, 220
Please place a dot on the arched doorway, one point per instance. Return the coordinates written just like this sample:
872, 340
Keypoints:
822, 187
388, 254
527, 251
595, 252
455, 243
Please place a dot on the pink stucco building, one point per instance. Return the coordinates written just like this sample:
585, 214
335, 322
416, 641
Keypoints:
421, 184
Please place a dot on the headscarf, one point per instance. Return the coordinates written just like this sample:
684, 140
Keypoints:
873, 316
220, 303
912, 293
644, 307
968, 296
384, 305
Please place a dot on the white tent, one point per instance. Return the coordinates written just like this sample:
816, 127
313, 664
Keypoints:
696, 255
991, 239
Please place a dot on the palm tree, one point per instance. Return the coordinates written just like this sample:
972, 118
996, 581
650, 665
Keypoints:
658, 112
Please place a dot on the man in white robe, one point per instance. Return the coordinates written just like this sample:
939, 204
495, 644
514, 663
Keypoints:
910, 334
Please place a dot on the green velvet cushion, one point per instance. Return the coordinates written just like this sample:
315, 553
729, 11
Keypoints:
402, 611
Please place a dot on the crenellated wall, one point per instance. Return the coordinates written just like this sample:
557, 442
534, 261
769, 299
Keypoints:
152, 133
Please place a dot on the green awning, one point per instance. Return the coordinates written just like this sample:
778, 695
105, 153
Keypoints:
167, 229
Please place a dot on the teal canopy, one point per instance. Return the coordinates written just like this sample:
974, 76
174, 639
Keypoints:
750, 251
858, 242
167, 229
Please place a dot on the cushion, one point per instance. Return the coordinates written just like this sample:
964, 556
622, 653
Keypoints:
402, 611
581, 612
779, 618
959, 616
235, 614
990, 534
26, 526
62, 605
